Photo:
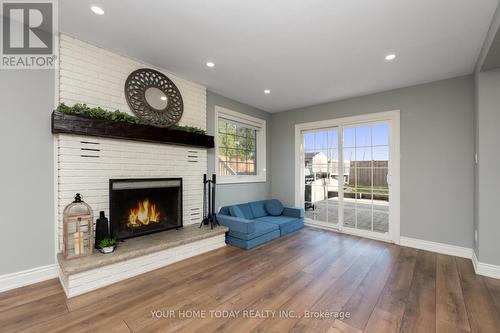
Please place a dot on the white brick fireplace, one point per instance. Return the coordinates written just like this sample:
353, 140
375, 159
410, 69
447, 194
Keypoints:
96, 77
88, 171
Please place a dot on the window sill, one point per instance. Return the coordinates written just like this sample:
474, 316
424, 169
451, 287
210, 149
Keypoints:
242, 180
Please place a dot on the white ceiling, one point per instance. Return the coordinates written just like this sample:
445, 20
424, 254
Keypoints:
306, 51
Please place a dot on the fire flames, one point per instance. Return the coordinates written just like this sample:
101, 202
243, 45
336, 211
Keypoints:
144, 214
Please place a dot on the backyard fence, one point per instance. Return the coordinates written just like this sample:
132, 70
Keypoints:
233, 166
361, 173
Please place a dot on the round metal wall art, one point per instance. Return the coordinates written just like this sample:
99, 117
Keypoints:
153, 97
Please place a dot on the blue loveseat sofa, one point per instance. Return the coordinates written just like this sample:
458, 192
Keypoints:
251, 224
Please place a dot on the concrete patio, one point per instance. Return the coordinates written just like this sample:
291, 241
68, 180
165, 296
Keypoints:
327, 211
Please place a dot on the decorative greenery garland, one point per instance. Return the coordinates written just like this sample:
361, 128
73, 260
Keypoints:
99, 113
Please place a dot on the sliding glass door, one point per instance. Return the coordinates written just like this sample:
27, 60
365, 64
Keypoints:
345, 173
321, 175
366, 189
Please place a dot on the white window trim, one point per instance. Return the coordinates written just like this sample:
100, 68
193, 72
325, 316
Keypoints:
261, 146
394, 191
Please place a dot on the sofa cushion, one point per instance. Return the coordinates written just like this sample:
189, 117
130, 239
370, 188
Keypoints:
248, 244
237, 223
281, 221
258, 208
236, 211
224, 211
274, 207
298, 224
247, 211
261, 228
293, 212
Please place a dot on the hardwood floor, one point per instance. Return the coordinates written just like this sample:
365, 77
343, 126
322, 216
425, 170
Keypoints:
374, 287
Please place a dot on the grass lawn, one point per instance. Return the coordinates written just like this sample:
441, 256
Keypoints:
368, 189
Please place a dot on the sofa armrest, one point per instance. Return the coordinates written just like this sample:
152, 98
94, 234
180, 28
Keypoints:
237, 223
294, 212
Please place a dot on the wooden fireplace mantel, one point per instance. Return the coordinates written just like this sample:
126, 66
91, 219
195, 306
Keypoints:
73, 124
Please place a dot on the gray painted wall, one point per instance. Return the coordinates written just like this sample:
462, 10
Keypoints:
484, 100
26, 170
475, 230
486, 89
237, 193
492, 61
486, 59
488, 182
437, 150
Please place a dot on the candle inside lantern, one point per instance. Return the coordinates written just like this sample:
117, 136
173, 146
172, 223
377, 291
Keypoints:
82, 244
76, 243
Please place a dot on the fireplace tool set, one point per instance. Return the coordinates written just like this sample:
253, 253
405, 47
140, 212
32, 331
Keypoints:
209, 216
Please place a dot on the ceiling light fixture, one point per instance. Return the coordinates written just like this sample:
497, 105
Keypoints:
210, 64
163, 98
390, 57
97, 10
267, 91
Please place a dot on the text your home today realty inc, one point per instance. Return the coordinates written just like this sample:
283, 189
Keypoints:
248, 314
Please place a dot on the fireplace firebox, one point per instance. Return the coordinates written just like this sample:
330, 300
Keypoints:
143, 206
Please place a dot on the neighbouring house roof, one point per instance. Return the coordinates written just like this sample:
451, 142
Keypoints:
310, 155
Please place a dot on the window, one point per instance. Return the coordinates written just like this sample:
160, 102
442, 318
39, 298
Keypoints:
240, 147
237, 149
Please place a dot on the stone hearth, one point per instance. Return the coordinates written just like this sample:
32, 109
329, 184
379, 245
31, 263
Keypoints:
136, 256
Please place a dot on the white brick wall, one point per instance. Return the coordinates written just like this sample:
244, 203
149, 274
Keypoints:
88, 171
96, 77
80, 283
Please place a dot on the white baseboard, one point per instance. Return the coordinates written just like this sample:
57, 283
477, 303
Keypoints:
29, 276
320, 225
39, 274
442, 248
349, 231
484, 269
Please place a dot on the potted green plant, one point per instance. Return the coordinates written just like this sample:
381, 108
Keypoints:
107, 245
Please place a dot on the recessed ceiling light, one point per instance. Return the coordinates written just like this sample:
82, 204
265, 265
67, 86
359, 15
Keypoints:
390, 57
210, 64
97, 10
267, 91
163, 98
